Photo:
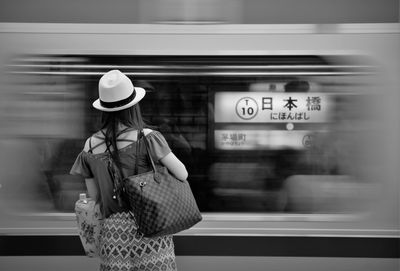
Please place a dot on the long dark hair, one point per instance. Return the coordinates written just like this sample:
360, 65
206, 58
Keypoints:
130, 117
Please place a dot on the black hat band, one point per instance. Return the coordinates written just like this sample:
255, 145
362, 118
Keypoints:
118, 103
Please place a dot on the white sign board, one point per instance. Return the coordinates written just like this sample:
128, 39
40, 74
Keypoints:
267, 107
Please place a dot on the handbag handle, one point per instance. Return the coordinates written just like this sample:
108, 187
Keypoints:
157, 176
140, 134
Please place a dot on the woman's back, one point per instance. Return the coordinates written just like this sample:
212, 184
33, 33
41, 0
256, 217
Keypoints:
125, 137
95, 162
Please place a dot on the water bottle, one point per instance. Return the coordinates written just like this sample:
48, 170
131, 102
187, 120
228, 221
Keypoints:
88, 217
83, 198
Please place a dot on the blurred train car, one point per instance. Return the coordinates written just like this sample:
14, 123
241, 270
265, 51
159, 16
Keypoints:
290, 135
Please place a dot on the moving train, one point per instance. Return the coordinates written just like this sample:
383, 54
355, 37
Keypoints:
289, 133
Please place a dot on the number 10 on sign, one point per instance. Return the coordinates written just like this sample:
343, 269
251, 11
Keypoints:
246, 108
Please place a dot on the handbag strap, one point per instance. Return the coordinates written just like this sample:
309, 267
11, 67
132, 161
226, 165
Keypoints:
146, 143
141, 134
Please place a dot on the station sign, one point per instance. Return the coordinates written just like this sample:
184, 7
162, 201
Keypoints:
269, 107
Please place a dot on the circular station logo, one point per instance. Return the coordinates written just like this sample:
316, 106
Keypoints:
246, 108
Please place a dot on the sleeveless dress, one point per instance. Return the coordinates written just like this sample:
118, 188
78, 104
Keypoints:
122, 247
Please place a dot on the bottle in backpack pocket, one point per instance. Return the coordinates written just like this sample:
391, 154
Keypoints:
89, 217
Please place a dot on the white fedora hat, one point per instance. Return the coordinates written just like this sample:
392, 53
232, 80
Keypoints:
116, 92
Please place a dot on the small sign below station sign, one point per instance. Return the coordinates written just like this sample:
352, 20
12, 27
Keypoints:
261, 139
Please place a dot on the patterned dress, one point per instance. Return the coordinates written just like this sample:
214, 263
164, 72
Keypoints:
122, 247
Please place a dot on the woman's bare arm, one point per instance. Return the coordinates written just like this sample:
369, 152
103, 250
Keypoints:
92, 188
175, 166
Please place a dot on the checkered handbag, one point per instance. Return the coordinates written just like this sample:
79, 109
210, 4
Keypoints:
160, 203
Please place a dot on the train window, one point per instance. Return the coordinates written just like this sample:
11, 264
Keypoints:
257, 133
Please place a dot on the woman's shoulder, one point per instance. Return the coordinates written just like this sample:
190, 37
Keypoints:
86, 148
150, 133
93, 140
147, 131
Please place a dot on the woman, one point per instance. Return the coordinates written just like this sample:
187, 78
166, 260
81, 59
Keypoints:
112, 152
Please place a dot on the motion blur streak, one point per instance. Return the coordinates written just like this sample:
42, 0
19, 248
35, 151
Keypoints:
319, 165
286, 131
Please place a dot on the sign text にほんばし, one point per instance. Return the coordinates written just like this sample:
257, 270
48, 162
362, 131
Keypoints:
264, 107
